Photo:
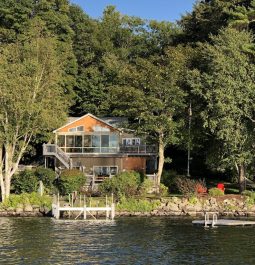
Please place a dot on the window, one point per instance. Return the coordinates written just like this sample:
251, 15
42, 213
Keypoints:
95, 140
131, 141
61, 140
105, 141
113, 141
105, 171
78, 141
70, 141
77, 129
87, 141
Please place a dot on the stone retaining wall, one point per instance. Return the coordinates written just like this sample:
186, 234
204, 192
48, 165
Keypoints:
25, 211
229, 205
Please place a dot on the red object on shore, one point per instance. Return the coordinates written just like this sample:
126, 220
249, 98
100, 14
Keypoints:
221, 186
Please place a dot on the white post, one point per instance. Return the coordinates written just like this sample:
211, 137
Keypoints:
85, 212
113, 211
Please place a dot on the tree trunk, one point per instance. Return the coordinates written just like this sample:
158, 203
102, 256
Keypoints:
241, 177
161, 160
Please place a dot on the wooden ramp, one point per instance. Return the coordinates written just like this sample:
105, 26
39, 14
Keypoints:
223, 222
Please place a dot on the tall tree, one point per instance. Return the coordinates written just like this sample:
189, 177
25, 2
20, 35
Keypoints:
31, 98
226, 86
16, 18
151, 96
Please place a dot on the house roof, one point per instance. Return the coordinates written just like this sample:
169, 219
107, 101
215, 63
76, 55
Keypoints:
113, 122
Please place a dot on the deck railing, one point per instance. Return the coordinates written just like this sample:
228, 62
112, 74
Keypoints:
54, 150
50, 149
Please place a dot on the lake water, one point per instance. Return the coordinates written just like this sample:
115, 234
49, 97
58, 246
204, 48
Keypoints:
124, 241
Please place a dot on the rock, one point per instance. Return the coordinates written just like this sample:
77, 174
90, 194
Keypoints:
28, 208
172, 207
19, 210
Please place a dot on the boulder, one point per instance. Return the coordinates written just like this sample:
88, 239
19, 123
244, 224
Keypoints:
28, 208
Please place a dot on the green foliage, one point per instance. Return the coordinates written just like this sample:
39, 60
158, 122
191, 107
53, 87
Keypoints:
27, 199
226, 86
137, 205
193, 200
123, 184
25, 181
215, 192
169, 180
47, 176
163, 190
146, 187
189, 187
70, 181
250, 197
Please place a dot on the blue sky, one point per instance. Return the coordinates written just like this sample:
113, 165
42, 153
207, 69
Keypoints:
170, 10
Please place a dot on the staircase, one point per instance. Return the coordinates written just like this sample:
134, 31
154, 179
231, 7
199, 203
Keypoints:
54, 150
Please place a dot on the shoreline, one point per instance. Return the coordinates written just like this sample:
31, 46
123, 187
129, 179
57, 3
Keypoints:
224, 206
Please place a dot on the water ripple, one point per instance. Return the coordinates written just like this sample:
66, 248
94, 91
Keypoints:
147, 241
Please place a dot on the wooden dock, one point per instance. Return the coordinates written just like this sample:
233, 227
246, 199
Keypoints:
87, 212
221, 222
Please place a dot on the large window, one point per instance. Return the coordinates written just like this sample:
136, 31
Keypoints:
97, 143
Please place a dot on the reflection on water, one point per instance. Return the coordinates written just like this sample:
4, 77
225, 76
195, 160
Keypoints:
125, 241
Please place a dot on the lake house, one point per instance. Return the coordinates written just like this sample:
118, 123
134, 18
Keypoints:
99, 147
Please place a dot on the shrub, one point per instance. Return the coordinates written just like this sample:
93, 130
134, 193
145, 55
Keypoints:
137, 205
189, 187
169, 179
47, 176
25, 181
25, 198
250, 200
71, 180
123, 184
215, 192
147, 187
163, 190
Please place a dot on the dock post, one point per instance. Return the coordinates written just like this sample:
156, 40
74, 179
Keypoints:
85, 212
207, 219
113, 211
57, 208
106, 206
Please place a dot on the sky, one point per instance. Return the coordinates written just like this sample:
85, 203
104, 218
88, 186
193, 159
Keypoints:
170, 10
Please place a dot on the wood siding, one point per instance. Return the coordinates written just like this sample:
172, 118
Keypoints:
88, 122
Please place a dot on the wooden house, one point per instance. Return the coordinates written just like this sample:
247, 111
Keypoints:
99, 148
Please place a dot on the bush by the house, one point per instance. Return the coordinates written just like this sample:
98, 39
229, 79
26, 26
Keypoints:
25, 182
47, 176
71, 180
147, 187
123, 184
215, 192
189, 187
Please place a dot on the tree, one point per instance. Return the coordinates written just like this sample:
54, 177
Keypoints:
209, 16
226, 86
151, 96
31, 98
16, 18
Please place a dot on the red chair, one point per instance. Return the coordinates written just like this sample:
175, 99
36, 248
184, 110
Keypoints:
221, 186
